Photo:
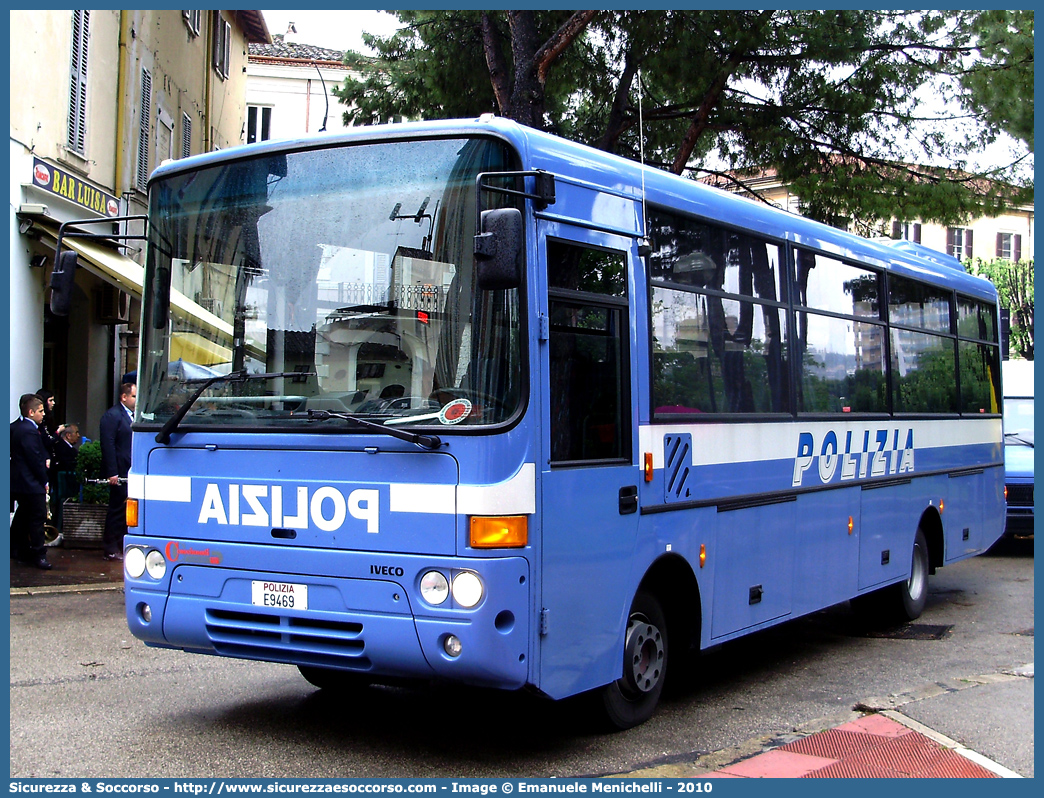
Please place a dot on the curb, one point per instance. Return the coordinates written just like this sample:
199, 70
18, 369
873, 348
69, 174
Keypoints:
701, 764
945, 741
45, 590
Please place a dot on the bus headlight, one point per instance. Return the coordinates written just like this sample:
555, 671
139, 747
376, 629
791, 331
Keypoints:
134, 562
434, 588
467, 589
155, 564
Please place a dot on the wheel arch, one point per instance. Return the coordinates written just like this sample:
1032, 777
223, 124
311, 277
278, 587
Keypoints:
931, 526
672, 581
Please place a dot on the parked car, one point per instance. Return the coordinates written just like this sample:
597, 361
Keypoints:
1018, 446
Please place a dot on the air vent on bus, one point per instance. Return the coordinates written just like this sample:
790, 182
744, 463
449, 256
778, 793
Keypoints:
257, 635
677, 466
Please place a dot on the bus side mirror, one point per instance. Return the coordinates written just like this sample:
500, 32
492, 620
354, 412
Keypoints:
498, 250
63, 277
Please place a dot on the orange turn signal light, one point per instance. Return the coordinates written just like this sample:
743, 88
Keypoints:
132, 512
648, 467
851, 525
703, 554
499, 532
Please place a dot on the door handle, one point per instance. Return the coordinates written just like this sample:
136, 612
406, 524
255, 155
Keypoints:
628, 499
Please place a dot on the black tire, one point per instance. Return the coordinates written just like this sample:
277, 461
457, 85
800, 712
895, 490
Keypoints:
912, 595
631, 700
903, 601
332, 679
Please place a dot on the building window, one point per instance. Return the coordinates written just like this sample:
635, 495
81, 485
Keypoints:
164, 136
186, 136
1009, 246
259, 123
906, 231
78, 82
143, 130
222, 55
192, 21
959, 242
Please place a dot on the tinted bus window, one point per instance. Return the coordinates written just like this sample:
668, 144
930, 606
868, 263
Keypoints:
976, 320
584, 269
824, 283
716, 355
691, 253
843, 367
587, 382
980, 366
914, 304
924, 378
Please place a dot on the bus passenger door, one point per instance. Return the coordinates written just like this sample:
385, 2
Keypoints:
590, 477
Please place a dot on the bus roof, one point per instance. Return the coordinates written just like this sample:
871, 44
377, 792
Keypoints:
607, 172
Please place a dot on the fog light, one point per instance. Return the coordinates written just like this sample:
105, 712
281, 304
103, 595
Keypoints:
134, 562
452, 646
467, 589
434, 588
155, 564
146, 612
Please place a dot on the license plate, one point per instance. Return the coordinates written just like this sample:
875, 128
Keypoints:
281, 595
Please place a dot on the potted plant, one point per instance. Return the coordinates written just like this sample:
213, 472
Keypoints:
83, 516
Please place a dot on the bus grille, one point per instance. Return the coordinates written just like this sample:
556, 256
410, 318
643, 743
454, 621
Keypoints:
257, 635
1020, 495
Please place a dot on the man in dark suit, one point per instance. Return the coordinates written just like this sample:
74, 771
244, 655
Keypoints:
29, 483
115, 437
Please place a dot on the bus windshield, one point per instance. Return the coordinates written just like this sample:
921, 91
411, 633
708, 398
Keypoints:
347, 272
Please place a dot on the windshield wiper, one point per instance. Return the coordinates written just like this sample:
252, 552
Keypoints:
425, 441
163, 436
1018, 437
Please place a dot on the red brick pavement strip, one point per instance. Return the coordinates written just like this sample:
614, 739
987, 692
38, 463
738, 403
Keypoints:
870, 747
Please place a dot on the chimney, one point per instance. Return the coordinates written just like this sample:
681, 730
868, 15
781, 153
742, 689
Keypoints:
291, 34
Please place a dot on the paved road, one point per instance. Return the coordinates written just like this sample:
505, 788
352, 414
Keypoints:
88, 700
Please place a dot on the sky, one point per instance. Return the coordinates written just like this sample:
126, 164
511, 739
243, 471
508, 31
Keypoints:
335, 30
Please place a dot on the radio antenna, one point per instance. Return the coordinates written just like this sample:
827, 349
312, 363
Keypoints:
325, 97
644, 243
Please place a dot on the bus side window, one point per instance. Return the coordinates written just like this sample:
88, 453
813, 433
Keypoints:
589, 387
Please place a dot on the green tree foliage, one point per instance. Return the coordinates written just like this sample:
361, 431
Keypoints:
833, 101
1014, 282
1000, 85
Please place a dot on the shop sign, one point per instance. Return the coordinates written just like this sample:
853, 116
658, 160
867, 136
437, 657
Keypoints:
52, 179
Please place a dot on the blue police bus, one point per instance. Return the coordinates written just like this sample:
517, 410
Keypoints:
464, 401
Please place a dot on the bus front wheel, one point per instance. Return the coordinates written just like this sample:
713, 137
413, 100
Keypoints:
632, 699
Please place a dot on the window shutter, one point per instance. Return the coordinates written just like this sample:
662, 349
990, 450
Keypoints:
77, 139
1016, 255
218, 28
897, 230
917, 233
143, 129
968, 243
1000, 245
186, 136
226, 61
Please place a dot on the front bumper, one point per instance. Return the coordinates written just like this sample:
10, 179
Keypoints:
364, 614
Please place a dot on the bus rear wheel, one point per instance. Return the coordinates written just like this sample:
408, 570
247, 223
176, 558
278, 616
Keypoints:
903, 601
632, 699
332, 679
